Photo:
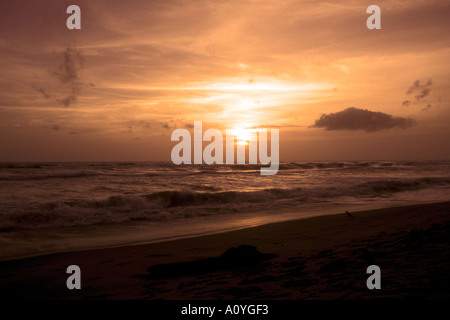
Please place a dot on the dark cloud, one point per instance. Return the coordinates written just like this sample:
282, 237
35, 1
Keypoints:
70, 99
165, 125
68, 74
361, 119
144, 124
72, 62
406, 103
421, 90
189, 125
427, 107
42, 91
423, 94
53, 127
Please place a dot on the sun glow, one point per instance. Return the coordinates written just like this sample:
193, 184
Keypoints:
243, 136
247, 102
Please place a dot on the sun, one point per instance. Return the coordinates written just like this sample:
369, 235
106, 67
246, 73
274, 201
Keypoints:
243, 136
242, 143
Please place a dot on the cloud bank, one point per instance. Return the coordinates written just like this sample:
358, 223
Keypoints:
361, 119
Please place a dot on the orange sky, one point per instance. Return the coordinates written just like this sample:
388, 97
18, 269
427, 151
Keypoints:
137, 70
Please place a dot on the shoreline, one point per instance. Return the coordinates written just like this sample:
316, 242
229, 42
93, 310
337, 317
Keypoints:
313, 254
96, 237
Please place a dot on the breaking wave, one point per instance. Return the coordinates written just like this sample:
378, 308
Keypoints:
182, 204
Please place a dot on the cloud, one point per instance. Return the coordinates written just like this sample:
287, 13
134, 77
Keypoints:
42, 91
68, 74
427, 107
143, 124
406, 103
72, 62
147, 124
421, 90
165, 125
54, 127
361, 119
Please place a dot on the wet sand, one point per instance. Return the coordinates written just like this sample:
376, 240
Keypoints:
316, 258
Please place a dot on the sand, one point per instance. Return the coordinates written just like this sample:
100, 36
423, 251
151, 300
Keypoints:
316, 258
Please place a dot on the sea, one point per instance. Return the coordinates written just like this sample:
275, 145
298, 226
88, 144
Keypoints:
56, 207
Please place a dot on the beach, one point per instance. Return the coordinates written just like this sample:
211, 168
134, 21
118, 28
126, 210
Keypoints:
181, 153
323, 257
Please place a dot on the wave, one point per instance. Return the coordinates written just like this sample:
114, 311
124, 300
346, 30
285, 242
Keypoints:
49, 176
129, 170
165, 205
393, 186
8, 165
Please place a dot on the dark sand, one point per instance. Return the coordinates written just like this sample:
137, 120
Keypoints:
317, 258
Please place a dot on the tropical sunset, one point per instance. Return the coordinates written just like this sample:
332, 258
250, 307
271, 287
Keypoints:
115, 89
185, 138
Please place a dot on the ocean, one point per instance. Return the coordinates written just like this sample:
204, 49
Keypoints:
53, 207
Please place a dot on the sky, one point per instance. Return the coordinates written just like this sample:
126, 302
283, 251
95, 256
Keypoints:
116, 89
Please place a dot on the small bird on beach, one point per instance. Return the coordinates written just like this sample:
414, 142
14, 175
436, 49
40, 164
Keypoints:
349, 214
